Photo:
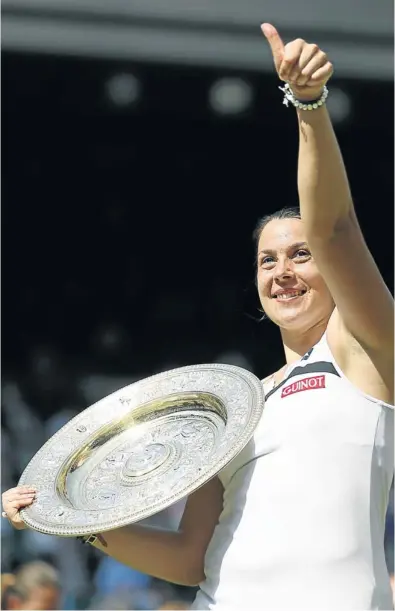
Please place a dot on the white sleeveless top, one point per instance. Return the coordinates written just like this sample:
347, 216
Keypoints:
305, 501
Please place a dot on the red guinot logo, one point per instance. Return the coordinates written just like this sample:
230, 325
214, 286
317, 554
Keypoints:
305, 384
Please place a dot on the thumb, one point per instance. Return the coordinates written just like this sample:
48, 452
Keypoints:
275, 42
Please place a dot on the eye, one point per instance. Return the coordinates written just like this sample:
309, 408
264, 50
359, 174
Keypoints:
302, 253
266, 261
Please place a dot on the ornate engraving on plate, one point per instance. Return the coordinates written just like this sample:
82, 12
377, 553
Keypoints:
145, 460
142, 448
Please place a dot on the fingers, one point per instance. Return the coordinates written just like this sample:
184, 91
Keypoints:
323, 74
298, 63
18, 504
17, 493
301, 61
292, 53
275, 42
19, 489
11, 495
319, 60
298, 74
15, 498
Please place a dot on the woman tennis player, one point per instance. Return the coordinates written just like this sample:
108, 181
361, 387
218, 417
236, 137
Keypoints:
297, 519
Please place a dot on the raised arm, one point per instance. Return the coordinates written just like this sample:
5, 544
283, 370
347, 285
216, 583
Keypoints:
364, 303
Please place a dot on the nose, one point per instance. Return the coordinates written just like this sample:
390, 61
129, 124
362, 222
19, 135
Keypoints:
283, 270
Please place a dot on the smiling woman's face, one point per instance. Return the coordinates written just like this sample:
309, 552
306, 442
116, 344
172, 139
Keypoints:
292, 292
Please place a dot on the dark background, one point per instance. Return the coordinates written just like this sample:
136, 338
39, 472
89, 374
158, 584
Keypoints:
142, 217
127, 242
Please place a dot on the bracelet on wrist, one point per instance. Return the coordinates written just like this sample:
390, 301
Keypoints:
289, 97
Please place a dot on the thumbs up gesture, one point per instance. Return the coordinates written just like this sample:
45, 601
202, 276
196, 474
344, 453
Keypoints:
302, 65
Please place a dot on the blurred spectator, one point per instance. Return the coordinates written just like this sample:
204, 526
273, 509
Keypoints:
7, 581
26, 429
35, 586
174, 605
70, 557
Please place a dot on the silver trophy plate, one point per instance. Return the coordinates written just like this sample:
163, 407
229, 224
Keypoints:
141, 449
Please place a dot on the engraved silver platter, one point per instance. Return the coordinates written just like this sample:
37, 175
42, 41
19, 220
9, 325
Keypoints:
141, 449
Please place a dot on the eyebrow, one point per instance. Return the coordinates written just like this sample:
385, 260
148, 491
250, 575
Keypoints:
295, 246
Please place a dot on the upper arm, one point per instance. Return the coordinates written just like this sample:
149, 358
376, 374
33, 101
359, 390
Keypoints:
200, 517
364, 302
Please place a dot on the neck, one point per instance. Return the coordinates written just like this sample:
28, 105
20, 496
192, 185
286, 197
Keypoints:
297, 344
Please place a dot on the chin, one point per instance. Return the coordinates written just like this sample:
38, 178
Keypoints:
292, 317
284, 313
291, 321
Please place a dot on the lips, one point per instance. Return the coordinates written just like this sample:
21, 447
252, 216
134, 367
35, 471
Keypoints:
289, 294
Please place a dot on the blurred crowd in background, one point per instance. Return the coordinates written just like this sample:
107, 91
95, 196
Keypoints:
130, 193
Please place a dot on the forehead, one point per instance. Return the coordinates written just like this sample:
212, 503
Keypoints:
279, 234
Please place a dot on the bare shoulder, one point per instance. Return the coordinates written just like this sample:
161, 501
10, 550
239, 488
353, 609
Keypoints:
268, 378
372, 371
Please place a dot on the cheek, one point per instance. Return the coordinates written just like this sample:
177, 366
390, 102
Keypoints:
317, 283
321, 292
310, 276
263, 285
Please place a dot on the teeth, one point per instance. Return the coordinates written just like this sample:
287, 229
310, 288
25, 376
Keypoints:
289, 295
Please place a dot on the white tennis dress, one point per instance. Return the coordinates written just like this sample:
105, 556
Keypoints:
305, 502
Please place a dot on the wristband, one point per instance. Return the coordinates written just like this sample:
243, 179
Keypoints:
289, 96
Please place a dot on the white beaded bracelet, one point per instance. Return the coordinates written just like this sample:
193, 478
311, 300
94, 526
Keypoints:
313, 105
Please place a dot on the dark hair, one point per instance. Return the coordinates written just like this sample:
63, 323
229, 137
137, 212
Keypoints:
285, 213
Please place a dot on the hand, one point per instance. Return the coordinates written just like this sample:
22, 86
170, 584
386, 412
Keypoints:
304, 66
15, 499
